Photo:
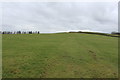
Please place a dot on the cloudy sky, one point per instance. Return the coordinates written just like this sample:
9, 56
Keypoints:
60, 16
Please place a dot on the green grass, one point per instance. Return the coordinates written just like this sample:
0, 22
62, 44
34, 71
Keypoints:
64, 55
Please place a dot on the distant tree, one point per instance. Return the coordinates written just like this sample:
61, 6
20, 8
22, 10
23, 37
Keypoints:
3, 32
14, 32
6, 32
10, 32
30, 32
38, 32
18, 32
23, 32
115, 33
33, 32
79, 31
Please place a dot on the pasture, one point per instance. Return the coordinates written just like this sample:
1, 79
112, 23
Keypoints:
61, 55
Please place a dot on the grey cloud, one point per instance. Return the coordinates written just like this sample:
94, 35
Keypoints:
60, 16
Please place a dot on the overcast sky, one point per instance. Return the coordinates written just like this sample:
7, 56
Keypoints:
60, 16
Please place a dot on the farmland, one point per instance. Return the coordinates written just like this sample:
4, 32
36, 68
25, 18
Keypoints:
61, 55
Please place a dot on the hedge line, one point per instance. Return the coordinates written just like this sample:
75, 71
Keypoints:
105, 34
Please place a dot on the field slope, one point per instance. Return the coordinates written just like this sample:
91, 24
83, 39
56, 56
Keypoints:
62, 55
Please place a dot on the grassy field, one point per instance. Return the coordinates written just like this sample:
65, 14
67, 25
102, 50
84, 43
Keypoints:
62, 55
